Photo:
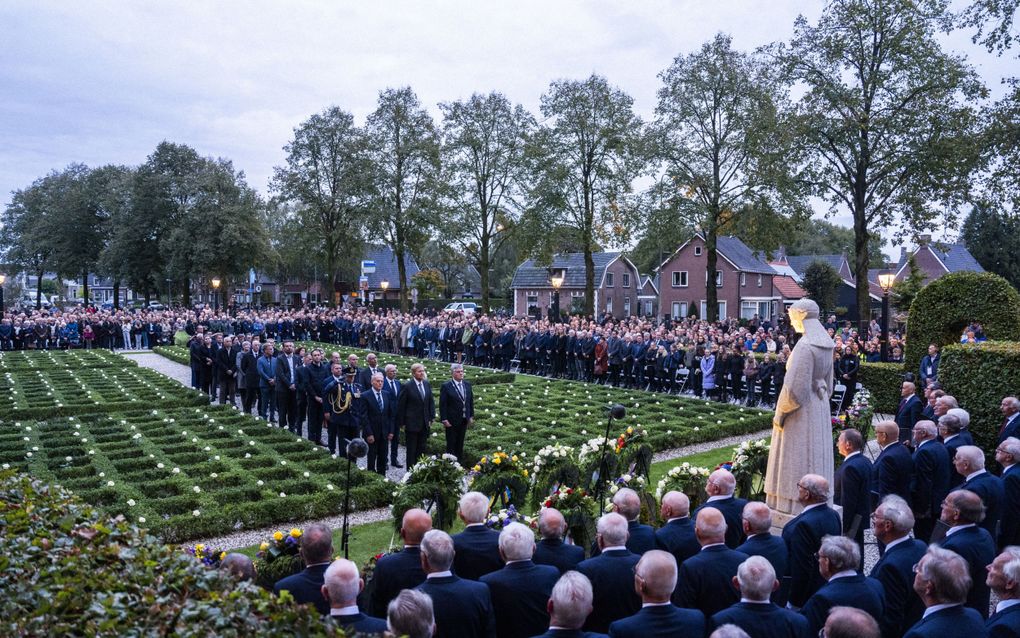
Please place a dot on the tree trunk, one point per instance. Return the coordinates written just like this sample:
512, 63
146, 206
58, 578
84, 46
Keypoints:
186, 292
38, 291
712, 260
84, 287
402, 270
589, 280
483, 271
116, 294
861, 240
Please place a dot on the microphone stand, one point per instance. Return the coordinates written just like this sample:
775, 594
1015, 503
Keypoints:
618, 412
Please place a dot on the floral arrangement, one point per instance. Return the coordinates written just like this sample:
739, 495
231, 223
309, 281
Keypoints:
504, 517
283, 544
686, 478
578, 508
502, 477
434, 484
549, 456
567, 498
630, 436
278, 557
750, 459
553, 466
860, 412
206, 555
636, 483
499, 461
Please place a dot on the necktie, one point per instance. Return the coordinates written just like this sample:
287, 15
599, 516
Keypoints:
378, 399
460, 390
393, 387
1005, 423
421, 389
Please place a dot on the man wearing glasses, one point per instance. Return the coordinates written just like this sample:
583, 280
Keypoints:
892, 522
942, 581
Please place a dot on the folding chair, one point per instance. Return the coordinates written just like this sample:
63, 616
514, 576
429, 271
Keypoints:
837, 398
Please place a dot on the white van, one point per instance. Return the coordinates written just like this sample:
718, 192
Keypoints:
467, 307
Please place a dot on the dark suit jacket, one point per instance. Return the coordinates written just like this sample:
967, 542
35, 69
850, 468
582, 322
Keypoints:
660, 620
773, 549
803, 536
732, 509
283, 372
415, 414
895, 570
360, 623
364, 376
976, 547
1010, 528
378, 422
519, 594
612, 579
451, 408
564, 557
640, 539
954, 621
857, 591
226, 362
1004, 624
908, 414
461, 607
705, 580
930, 482
852, 491
990, 488
677, 537
1012, 429
570, 633
892, 471
763, 620
306, 587
477, 552
961, 439
393, 574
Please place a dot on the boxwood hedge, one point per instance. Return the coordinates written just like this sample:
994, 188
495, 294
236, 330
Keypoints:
979, 376
67, 569
884, 381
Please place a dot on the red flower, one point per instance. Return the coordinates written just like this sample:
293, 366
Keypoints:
570, 490
548, 503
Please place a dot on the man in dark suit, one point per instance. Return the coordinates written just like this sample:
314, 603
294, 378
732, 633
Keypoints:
611, 574
852, 486
970, 463
341, 586
1007, 453
392, 386
677, 535
893, 467
1010, 407
641, 538
456, 410
316, 549
410, 614
342, 409
909, 410
954, 437
838, 561
379, 411
371, 367
569, 606
654, 580
757, 521
287, 365
755, 613
551, 550
315, 377
803, 536
930, 481
401, 570
720, 488
226, 366
941, 582
520, 590
463, 608
477, 546
706, 579
416, 410
892, 522
1004, 581
963, 511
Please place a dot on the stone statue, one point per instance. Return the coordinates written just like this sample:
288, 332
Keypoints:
801, 427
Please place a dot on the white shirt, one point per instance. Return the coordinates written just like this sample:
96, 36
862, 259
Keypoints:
846, 573
851, 455
973, 474
1006, 604
643, 605
882, 447
754, 602
935, 608
897, 542
344, 611
680, 518
956, 528
812, 506
704, 547
474, 525
440, 574
613, 548
949, 438
718, 497
921, 444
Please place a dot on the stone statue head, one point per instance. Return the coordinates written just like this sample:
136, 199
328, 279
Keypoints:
802, 309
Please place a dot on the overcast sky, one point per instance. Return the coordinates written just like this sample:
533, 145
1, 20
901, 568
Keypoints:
105, 82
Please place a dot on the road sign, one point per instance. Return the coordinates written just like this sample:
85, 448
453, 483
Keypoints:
258, 288
367, 267
414, 295
363, 283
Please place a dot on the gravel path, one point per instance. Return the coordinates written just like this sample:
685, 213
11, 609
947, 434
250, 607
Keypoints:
159, 363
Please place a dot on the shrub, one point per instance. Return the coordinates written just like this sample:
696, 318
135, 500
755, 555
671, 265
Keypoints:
884, 381
67, 570
979, 375
944, 307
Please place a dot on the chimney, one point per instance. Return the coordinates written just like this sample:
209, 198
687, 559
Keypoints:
923, 240
903, 254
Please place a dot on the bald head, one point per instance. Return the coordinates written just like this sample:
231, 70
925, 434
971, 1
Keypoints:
815, 488
721, 483
627, 503
414, 525
757, 518
551, 523
850, 622
655, 576
972, 456
887, 432
675, 505
710, 528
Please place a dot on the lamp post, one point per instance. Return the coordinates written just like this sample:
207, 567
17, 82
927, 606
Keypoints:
3, 280
556, 283
384, 284
216, 294
168, 294
886, 281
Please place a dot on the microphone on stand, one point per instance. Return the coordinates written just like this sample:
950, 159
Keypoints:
356, 449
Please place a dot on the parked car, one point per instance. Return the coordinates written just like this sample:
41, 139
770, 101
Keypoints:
155, 305
467, 307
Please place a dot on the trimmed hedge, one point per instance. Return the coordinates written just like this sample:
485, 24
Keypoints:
174, 353
884, 381
65, 569
944, 307
979, 376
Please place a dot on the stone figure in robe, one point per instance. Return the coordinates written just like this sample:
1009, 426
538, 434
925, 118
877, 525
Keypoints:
802, 426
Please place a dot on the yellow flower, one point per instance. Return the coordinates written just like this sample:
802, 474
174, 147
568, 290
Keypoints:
477, 468
223, 555
515, 458
263, 547
199, 548
296, 533
525, 474
630, 430
496, 461
277, 536
482, 462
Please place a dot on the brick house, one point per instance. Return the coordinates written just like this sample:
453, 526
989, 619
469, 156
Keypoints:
846, 296
617, 285
745, 282
934, 259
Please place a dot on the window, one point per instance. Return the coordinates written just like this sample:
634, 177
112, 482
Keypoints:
743, 279
676, 310
648, 308
609, 305
722, 309
679, 278
718, 278
626, 280
748, 309
609, 280
759, 281
697, 251
683, 309
531, 300
626, 306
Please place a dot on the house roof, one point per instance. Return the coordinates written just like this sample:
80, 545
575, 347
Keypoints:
788, 287
786, 270
800, 263
741, 256
530, 275
386, 267
956, 258
648, 280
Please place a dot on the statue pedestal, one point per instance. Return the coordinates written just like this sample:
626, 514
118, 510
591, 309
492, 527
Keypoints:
780, 519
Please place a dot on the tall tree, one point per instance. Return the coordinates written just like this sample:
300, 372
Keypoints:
587, 154
133, 254
993, 237
327, 174
886, 116
404, 148
24, 240
720, 129
822, 282
484, 139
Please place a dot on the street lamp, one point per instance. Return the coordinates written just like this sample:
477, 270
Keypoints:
885, 281
3, 280
556, 283
384, 284
216, 294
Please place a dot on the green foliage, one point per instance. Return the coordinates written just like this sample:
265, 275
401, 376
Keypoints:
993, 237
435, 484
945, 307
821, 237
905, 290
979, 376
429, 283
822, 282
67, 569
502, 477
884, 381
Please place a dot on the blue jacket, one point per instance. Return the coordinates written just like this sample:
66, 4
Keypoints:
763, 620
1010, 529
953, 621
990, 488
976, 547
641, 539
850, 591
393, 574
930, 482
895, 571
555, 552
773, 549
706, 580
520, 592
360, 623
657, 621
306, 587
677, 537
266, 367
892, 471
1005, 623
803, 536
570, 633
476, 552
462, 608
612, 579
852, 491
732, 509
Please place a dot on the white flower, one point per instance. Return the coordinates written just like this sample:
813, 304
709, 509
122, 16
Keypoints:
260, 483
131, 502
68, 458
109, 483
196, 489
159, 466
307, 474
141, 519
196, 513
283, 462
102, 474
247, 455
283, 495
214, 475
176, 470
